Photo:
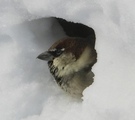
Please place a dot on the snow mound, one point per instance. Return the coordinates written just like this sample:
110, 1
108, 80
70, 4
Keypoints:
27, 90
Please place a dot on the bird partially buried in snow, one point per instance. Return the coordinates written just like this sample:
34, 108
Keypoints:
70, 61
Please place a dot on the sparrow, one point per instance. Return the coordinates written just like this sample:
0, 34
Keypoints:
70, 61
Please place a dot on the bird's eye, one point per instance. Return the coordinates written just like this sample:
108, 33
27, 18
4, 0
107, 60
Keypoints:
57, 52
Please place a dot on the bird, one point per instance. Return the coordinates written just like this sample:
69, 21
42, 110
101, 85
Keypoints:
70, 61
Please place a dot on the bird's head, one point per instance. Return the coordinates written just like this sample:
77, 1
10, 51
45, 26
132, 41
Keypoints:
69, 55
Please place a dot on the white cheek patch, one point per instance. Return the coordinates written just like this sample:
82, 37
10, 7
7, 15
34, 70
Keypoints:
84, 60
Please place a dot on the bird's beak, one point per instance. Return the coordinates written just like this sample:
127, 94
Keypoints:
47, 56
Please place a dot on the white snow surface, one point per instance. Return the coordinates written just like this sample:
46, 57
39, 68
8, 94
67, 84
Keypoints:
27, 90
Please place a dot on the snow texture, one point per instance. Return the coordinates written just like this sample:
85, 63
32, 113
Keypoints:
27, 90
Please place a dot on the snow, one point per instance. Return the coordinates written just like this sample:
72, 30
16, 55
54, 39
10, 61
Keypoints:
27, 90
